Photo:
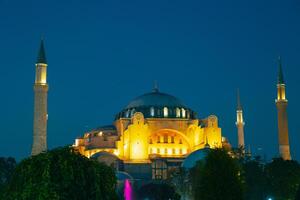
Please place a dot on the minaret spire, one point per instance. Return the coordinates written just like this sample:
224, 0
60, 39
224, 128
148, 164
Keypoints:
240, 122
42, 55
155, 86
239, 105
280, 79
281, 104
40, 103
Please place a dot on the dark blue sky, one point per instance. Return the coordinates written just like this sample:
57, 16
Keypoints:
103, 54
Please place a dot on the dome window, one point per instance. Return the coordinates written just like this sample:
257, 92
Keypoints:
127, 114
183, 112
165, 112
177, 112
152, 111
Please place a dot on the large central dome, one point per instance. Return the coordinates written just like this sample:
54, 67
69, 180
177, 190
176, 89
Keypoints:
156, 99
157, 105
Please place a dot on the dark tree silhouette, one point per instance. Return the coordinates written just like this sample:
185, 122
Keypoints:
61, 174
7, 166
298, 194
217, 177
283, 177
255, 180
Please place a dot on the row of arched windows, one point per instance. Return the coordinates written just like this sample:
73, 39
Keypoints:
165, 139
164, 112
168, 151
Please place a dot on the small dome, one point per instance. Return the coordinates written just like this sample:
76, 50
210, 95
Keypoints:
122, 176
193, 158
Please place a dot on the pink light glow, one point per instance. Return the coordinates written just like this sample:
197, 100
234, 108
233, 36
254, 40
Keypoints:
127, 190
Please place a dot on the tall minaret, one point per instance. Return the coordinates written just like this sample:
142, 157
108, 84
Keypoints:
281, 104
240, 122
40, 104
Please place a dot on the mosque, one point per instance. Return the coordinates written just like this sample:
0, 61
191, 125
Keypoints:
154, 134
155, 130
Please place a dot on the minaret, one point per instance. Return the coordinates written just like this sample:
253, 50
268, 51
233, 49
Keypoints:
40, 103
240, 122
281, 104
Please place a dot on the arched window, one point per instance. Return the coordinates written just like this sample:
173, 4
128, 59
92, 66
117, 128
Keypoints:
165, 112
177, 112
152, 112
165, 139
172, 139
158, 112
127, 114
183, 112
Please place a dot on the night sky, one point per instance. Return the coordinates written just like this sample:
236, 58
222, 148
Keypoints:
103, 54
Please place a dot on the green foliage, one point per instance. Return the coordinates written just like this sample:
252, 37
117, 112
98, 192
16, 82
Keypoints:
158, 191
283, 177
7, 166
217, 177
255, 180
61, 174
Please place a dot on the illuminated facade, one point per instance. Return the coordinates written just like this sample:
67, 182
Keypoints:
155, 132
281, 104
40, 104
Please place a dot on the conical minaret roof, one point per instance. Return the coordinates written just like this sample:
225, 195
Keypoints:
280, 79
239, 105
42, 55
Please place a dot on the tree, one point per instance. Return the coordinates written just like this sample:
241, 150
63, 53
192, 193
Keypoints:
180, 180
283, 178
298, 194
158, 191
61, 174
217, 178
7, 166
255, 180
